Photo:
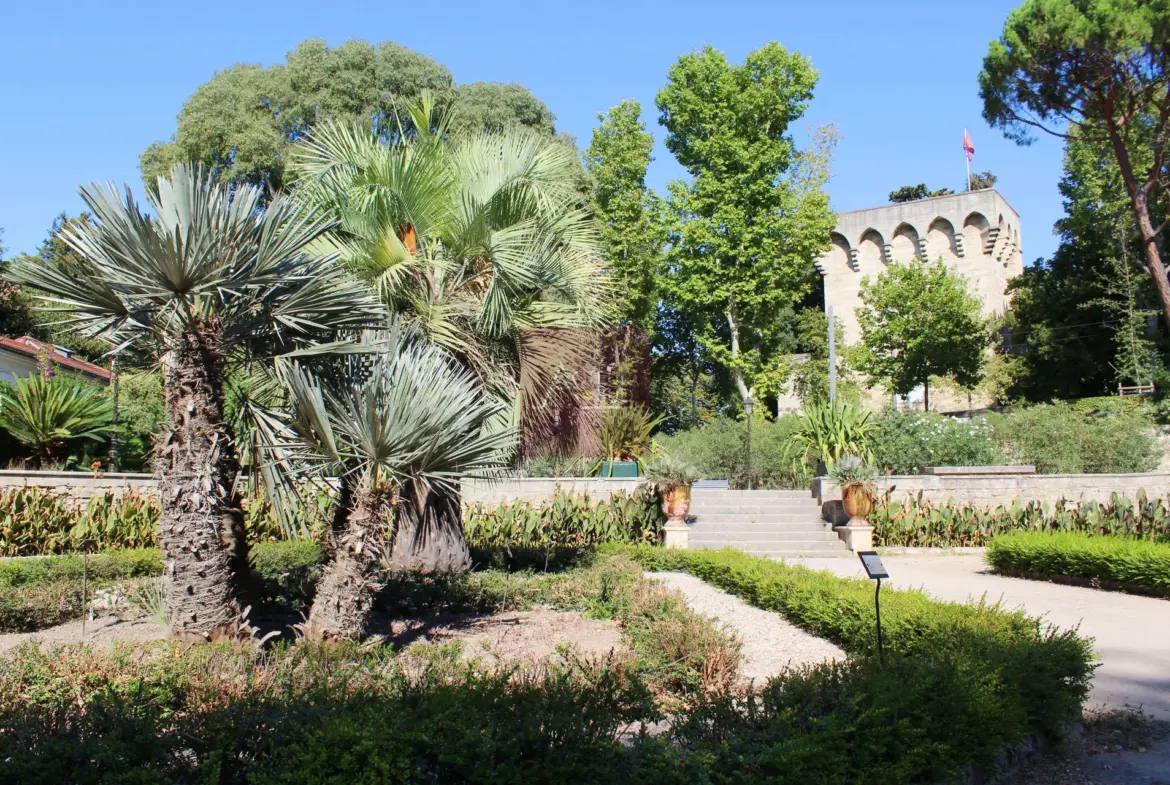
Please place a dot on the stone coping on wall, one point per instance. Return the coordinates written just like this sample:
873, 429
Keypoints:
535, 489
969, 470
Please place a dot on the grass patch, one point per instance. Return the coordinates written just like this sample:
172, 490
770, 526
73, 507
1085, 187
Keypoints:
1122, 563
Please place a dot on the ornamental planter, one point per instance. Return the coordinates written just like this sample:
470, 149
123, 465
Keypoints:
619, 469
857, 499
676, 503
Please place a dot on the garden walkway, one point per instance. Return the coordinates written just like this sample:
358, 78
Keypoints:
1132, 633
770, 642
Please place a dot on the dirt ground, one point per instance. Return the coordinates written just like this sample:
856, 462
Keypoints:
511, 637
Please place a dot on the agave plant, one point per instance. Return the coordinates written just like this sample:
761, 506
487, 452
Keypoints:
829, 430
668, 469
45, 413
852, 470
210, 282
400, 426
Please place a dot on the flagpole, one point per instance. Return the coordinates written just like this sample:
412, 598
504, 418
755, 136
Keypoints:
967, 156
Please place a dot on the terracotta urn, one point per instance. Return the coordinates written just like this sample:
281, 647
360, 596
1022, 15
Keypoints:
857, 499
676, 503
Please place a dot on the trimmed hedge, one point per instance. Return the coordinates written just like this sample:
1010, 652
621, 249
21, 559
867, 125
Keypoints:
1039, 676
40, 592
1113, 562
959, 683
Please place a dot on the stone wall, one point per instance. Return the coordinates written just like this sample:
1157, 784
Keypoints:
542, 489
81, 485
1003, 489
78, 485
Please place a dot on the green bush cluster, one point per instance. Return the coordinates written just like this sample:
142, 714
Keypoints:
918, 522
312, 714
569, 520
718, 450
1112, 562
36, 593
906, 442
1093, 438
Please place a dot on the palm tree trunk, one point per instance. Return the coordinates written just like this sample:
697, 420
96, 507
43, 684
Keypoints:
348, 587
428, 536
202, 527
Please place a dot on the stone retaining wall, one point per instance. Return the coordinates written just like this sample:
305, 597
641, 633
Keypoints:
1002, 489
78, 485
81, 485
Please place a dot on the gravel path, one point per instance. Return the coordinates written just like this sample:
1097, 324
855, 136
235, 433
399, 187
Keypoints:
770, 642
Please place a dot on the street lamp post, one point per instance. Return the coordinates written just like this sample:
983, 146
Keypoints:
748, 406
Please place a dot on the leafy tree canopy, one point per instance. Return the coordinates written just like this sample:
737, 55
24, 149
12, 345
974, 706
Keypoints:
629, 214
983, 180
243, 121
747, 227
912, 193
919, 320
1096, 70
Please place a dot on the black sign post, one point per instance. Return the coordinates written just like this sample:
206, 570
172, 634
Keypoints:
875, 570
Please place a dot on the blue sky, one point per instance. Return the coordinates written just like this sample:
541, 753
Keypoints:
85, 87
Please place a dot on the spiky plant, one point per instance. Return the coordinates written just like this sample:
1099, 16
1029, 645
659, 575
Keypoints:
480, 243
45, 413
211, 280
829, 430
396, 425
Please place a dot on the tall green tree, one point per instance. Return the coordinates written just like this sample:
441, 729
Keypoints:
1097, 70
496, 106
210, 281
746, 229
919, 320
242, 123
912, 193
629, 213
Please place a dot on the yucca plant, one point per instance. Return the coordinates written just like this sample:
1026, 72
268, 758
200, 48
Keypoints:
400, 425
829, 430
211, 280
47, 414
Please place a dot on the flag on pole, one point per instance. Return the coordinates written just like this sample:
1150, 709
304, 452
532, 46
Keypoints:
968, 145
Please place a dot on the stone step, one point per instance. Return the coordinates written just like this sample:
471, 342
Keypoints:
749, 536
795, 549
746, 507
728, 519
697, 493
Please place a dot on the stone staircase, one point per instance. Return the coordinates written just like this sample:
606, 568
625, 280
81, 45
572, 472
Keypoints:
775, 524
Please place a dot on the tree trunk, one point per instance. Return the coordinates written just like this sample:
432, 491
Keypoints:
1140, 201
429, 532
745, 392
202, 526
926, 394
349, 585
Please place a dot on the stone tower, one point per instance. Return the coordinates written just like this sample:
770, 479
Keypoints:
977, 234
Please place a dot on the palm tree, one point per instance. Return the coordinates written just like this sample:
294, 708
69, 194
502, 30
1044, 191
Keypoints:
211, 281
483, 245
393, 424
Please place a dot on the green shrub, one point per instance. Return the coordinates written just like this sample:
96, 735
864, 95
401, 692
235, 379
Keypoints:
40, 592
906, 442
1060, 439
1115, 562
569, 520
957, 685
918, 522
718, 451
1031, 677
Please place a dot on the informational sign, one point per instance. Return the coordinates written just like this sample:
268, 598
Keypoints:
873, 565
